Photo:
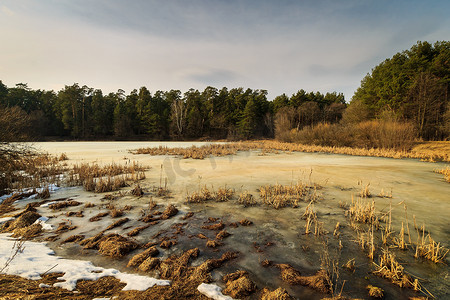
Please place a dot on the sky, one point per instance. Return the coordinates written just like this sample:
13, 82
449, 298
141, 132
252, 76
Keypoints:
280, 46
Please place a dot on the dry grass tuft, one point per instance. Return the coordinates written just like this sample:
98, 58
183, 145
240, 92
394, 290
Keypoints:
117, 223
64, 204
223, 194
375, 292
138, 259
107, 178
429, 249
98, 216
238, 285
445, 172
137, 191
116, 246
278, 294
279, 195
319, 281
247, 199
390, 269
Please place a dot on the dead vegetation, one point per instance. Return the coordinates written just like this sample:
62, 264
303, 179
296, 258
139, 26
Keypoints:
64, 204
445, 171
318, 281
107, 178
420, 151
389, 268
23, 168
238, 285
279, 195
429, 249
98, 216
115, 245
138, 259
204, 194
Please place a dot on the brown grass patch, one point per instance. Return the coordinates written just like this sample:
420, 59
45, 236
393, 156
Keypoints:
217, 226
73, 239
445, 172
149, 264
390, 269
238, 285
278, 294
141, 257
28, 232
117, 223
116, 246
319, 281
245, 222
64, 204
247, 199
137, 230
98, 217
375, 292
24, 220
169, 212
279, 195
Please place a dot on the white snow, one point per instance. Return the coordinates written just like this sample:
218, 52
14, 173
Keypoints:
5, 219
212, 291
37, 258
43, 222
43, 285
48, 204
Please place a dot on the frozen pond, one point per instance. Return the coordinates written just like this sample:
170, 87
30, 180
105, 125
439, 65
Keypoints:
411, 183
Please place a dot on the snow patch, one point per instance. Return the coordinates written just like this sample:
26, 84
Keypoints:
212, 291
5, 219
37, 258
43, 222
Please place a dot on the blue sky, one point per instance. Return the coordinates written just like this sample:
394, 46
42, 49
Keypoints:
281, 46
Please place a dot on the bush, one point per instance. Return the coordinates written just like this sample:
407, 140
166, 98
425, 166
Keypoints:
387, 134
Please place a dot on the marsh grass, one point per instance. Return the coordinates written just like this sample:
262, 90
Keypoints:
428, 248
445, 171
30, 170
247, 199
389, 268
107, 178
279, 195
273, 146
203, 194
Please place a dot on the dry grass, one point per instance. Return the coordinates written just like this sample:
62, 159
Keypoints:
279, 195
64, 204
238, 285
29, 170
223, 194
107, 178
426, 151
390, 269
429, 249
362, 210
203, 194
116, 245
445, 172
247, 199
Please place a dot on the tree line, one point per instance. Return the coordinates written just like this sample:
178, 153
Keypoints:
81, 112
